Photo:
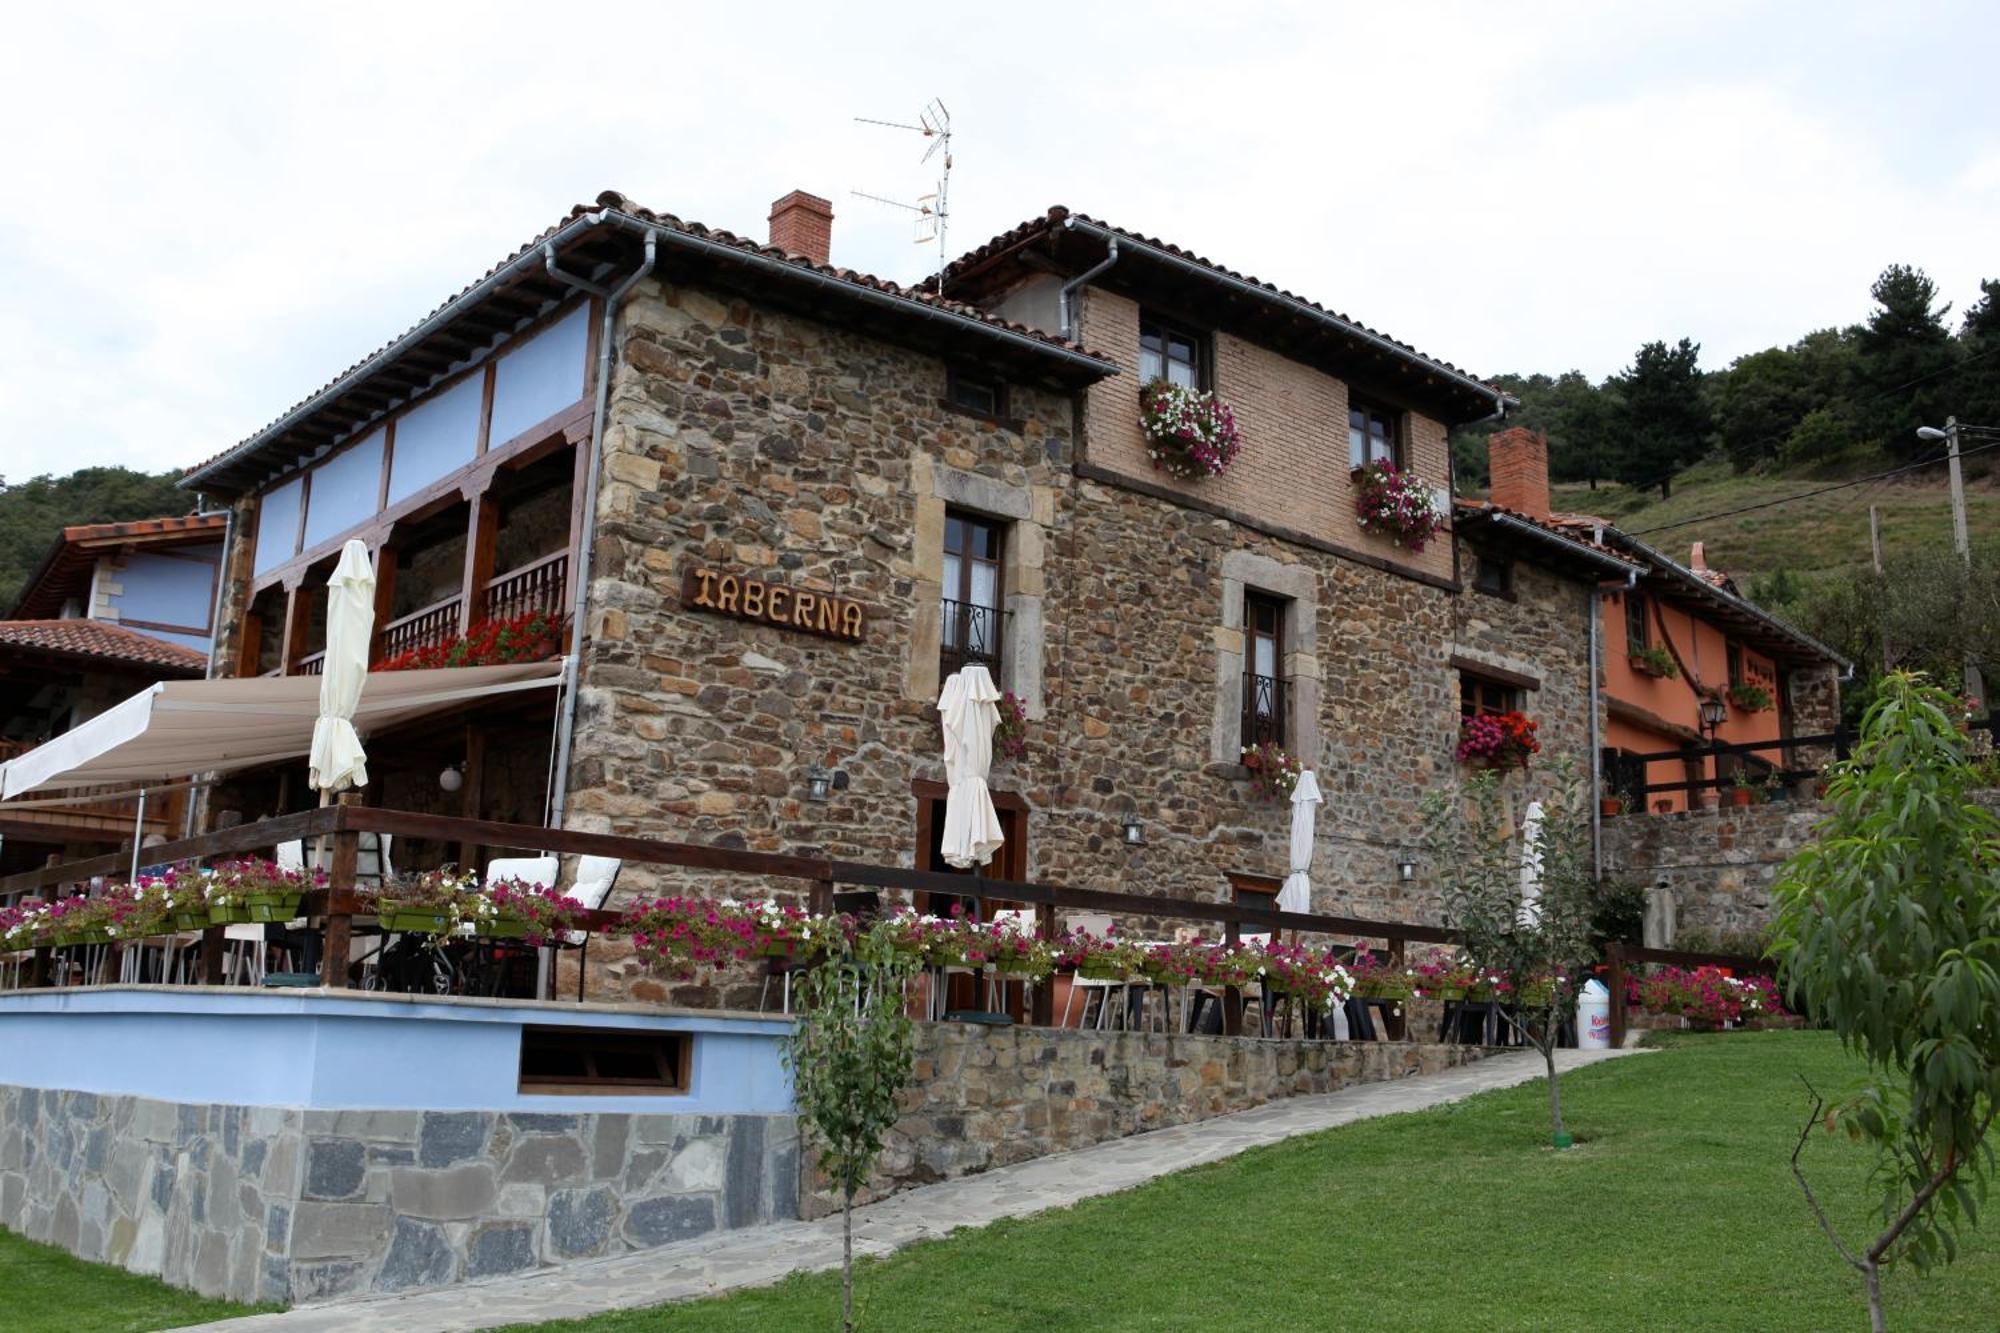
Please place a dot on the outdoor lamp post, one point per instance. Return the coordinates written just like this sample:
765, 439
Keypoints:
1714, 713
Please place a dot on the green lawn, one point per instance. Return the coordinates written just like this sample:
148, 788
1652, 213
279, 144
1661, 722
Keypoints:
43, 1290
1675, 1211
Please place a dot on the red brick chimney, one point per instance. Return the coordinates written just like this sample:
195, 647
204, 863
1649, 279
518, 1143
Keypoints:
1519, 459
802, 224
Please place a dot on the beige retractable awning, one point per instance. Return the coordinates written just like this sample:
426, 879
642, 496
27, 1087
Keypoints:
183, 727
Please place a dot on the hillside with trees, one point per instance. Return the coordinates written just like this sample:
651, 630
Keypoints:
33, 512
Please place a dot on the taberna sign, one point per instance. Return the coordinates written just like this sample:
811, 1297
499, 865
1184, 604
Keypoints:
768, 602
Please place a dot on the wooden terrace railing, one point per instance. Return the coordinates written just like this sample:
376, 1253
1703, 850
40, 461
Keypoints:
539, 585
1785, 766
423, 628
344, 823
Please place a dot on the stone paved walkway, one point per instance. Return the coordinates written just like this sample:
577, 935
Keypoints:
758, 1256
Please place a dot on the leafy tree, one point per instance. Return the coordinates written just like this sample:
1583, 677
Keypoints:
33, 512
850, 1055
1662, 414
1927, 611
1542, 943
1888, 929
1976, 389
1904, 347
1764, 397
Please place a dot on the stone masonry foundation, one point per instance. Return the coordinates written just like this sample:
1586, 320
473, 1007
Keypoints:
274, 1204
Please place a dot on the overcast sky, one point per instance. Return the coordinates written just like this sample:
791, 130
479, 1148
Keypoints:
204, 216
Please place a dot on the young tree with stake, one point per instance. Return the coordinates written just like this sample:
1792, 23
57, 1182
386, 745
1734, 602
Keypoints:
850, 1055
1530, 928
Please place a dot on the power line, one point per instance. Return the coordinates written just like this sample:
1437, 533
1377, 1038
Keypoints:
1807, 495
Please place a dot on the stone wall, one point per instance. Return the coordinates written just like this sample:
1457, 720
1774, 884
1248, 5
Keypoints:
989, 1096
1717, 865
275, 1204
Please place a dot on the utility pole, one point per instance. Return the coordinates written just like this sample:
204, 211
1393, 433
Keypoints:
1960, 538
1875, 544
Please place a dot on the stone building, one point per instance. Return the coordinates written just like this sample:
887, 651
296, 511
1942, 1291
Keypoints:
777, 501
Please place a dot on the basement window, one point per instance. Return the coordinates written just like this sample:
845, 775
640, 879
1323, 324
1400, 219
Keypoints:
562, 1060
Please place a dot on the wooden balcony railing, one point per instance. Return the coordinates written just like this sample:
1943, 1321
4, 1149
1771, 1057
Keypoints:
539, 585
421, 629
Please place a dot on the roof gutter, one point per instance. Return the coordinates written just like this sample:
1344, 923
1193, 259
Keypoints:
1568, 543
580, 597
1260, 292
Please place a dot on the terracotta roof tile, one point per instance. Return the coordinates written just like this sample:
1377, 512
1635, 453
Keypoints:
103, 641
142, 528
1058, 215
72, 555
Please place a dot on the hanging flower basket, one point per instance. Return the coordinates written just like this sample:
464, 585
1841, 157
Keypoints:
1497, 740
1274, 772
1188, 433
1010, 734
1657, 663
1749, 698
1396, 504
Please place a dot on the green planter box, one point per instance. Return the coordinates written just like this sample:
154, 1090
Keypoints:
273, 906
397, 919
235, 914
71, 938
189, 921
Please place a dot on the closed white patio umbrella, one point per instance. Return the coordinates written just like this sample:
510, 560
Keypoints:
337, 760
1531, 865
966, 706
1296, 895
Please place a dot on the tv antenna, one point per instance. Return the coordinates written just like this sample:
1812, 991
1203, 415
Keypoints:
932, 213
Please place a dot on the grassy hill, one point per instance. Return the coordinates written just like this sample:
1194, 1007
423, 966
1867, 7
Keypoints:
1818, 535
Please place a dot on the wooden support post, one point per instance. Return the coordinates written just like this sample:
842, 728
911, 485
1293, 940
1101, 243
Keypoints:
298, 627
340, 903
819, 898
1232, 996
481, 533
385, 598
1042, 1008
472, 794
212, 941
1614, 954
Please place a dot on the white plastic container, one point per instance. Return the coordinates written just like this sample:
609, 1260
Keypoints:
1593, 1017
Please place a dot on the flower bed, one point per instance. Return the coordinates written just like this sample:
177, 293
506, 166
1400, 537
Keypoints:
528, 638
1396, 504
1188, 433
1707, 996
1497, 740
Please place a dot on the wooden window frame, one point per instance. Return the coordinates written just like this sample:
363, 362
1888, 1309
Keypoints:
1255, 600
1733, 656
1638, 631
1001, 412
673, 1053
962, 595
1471, 683
1504, 589
1166, 328
1392, 416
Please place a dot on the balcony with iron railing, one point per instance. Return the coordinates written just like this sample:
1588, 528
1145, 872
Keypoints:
1267, 710
969, 633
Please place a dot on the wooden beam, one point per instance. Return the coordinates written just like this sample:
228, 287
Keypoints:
481, 535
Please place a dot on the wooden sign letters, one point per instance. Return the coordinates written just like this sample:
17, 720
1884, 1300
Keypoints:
747, 597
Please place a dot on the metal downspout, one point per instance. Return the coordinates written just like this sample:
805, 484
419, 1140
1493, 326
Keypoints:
1066, 297
579, 601
1596, 752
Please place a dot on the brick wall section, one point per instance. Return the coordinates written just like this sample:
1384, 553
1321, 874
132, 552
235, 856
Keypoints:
1520, 463
986, 1097
1293, 471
